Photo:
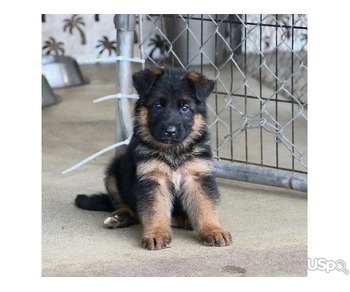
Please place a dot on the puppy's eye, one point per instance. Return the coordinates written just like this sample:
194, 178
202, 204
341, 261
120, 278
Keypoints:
185, 108
158, 105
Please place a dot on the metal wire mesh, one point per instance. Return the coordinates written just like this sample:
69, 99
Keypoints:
258, 110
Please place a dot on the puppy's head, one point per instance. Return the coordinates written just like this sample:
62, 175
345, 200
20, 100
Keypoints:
171, 108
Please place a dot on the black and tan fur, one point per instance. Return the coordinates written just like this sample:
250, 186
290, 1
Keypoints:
165, 176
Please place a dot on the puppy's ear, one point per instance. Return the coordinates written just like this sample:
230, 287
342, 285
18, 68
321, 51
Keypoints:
201, 85
144, 80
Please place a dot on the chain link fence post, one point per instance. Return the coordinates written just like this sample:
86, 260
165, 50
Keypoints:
125, 26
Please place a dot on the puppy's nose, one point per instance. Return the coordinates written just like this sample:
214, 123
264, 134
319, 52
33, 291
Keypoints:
170, 131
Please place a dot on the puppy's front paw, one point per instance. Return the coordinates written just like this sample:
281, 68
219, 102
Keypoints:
215, 237
156, 240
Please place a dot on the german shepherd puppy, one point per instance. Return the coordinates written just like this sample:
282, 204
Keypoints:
165, 176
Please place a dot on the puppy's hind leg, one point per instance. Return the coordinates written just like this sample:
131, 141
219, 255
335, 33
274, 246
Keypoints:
123, 215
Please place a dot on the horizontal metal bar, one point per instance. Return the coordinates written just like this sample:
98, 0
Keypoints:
113, 96
136, 60
264, 165
227, 20
261, 175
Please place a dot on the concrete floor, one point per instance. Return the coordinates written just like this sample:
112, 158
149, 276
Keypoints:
269, 225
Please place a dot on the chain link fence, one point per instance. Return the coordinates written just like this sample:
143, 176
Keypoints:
258, 111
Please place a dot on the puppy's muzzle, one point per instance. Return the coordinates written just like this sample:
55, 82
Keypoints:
170, 131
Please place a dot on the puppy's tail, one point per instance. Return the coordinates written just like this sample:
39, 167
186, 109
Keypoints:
96, 202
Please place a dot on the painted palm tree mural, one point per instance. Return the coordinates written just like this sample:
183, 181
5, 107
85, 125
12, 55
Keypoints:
53, 47
75, 22
106, 44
